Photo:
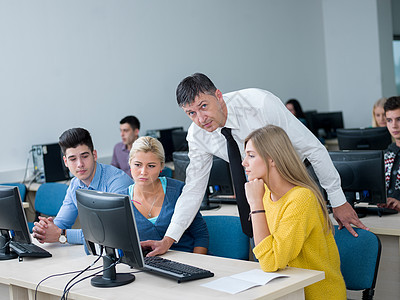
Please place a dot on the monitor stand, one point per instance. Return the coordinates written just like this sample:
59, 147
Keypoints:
5, 251
110, 278
206, 205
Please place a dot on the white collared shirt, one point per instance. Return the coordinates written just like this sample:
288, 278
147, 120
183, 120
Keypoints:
248, 110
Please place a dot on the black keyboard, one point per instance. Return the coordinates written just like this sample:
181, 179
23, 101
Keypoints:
28, 250
380, 211
175, 270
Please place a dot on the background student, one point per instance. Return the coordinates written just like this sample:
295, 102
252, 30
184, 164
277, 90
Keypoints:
81, 160
289, 216
293, 105
392, 157
154, 198
378, 113
129, 128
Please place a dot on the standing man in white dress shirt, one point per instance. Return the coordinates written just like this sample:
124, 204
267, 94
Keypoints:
243, 111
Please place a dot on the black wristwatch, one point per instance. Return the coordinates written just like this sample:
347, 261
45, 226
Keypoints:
63, 237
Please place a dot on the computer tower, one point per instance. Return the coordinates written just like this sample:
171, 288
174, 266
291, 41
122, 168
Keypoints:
48, 163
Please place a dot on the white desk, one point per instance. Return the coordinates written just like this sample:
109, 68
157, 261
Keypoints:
21, 279
387, 228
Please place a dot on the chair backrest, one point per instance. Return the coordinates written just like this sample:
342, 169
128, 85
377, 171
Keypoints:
227, 238
359, 258
166, 172
49, 198
21, 188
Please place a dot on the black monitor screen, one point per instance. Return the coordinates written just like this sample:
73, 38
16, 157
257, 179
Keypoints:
325, 124
362, 175
12, 219
377, 138
219, 182
166, 139
107, 220
179, 140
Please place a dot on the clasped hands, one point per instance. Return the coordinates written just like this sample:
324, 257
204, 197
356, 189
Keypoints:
45, 231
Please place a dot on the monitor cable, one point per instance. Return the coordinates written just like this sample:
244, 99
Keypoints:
66, 290
94, 274
68, 273
81, 272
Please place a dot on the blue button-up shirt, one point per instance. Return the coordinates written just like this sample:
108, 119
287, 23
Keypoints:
106, 179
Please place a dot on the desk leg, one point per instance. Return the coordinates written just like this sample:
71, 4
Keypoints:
18, 293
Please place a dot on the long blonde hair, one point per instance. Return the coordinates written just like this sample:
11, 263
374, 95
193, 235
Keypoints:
273, 142
380, 103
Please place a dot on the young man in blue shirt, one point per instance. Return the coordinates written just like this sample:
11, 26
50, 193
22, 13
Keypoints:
81, 160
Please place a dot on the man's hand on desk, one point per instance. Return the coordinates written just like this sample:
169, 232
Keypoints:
157, 247
345, 216
45, 231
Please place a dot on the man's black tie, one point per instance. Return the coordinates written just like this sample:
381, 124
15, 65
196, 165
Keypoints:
239, 179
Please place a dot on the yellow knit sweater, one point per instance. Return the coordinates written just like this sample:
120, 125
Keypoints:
298, 239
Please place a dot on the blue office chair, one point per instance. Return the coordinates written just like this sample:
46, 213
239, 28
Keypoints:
21, 188
227, 238
48, 200
359, 258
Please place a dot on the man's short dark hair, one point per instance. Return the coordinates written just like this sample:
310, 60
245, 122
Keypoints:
131, 120
74, 137
392, 103
190, 87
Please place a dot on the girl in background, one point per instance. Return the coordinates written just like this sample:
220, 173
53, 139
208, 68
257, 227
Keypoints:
378, 113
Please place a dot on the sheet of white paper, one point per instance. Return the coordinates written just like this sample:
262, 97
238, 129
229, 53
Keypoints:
257, 276
229, 285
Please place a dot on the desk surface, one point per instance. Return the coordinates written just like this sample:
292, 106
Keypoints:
23, 276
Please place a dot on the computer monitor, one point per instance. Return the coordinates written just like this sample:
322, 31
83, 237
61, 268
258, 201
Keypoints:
308, 114
13, 225
219, 182
377, 138
108, 220
362, 174
179, 140
166, 139
324, 125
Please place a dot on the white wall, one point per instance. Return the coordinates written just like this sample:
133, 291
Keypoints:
89, 63
354, 65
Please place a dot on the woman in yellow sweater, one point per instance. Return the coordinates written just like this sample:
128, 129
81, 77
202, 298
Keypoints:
289, 216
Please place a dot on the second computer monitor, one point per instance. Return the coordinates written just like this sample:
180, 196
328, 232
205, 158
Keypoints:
324, 125
107, 220
377, 138
165, 136
13, 225
220, 180
362, 175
